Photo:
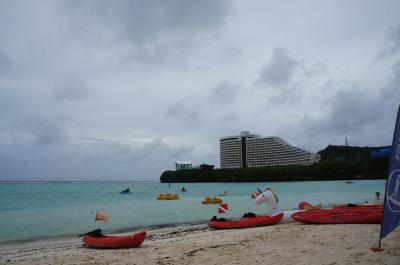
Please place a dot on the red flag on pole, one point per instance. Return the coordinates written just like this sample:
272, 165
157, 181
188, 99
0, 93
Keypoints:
101, 217
223, 208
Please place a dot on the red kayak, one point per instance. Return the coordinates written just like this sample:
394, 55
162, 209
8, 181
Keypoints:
100, 241
340, 216
246, 222
359, 206
306, 206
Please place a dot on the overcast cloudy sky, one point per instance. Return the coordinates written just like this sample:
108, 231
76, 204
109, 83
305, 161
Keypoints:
119, 90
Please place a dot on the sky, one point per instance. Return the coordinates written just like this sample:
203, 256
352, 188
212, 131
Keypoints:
119, 90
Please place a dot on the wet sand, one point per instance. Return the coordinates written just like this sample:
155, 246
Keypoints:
280, 244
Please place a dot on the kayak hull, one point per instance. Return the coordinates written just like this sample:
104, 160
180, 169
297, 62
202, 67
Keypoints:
288, 216
131, 241
246, 222
359, 206
340, 216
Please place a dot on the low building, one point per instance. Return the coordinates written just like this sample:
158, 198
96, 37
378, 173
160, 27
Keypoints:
252, 150
183, 165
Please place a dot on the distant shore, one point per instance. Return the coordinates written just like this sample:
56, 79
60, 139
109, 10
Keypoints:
367, 168
280, 244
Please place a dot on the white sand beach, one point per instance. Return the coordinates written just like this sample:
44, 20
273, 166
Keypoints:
280, 244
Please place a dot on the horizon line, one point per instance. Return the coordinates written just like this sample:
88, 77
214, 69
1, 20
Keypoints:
25, 181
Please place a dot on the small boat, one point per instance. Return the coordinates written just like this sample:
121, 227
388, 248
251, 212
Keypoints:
341, 215
168, 196
245, 222
95, 239
349, 182
126, 191
208, 200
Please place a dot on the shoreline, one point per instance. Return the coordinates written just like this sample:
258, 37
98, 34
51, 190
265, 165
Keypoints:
292, 243
160, 182
121, 231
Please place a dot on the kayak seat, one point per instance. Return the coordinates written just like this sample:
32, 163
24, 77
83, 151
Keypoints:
94, 233
249, 215
215, 219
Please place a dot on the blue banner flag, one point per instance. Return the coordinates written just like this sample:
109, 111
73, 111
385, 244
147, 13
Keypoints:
391, 212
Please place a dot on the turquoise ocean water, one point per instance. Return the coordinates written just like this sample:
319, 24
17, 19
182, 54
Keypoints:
30, 211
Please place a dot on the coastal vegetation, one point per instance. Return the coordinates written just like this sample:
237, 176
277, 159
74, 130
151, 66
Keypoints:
337, 163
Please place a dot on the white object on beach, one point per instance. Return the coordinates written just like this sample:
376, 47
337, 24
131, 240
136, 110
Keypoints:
269, 199
287, 216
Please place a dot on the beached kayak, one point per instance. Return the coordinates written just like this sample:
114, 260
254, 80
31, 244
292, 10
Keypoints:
351, 206
357, 215
246, 222
100, 241
308, 207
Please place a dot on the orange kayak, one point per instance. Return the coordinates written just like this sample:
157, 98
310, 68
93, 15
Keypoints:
130, 241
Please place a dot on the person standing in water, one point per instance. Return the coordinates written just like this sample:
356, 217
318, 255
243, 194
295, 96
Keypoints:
377, 196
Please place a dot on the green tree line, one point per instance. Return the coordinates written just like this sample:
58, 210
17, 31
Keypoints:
363, 167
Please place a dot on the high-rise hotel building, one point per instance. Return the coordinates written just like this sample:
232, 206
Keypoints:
252, 150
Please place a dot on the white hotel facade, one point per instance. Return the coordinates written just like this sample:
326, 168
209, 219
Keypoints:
252, 150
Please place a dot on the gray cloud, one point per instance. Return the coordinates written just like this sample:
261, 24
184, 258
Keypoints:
71, 89
224, 93
280, 70
185, 110
351, 108
230, 53
194, 108
98, 157
278, 78
230, 117
155, 29
172, 77
165, 151
392, 42
284, 96
286, 79
357, 113
316, 69
5, 63
48, 132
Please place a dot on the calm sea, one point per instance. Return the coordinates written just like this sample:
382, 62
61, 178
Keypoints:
30, 211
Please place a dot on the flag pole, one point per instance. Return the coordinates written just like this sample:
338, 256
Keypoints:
378, 249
